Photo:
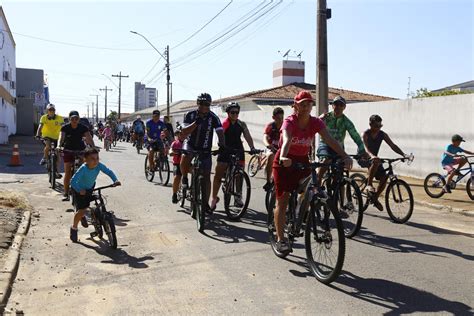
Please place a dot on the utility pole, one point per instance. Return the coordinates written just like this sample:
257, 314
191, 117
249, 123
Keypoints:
87, 111
171, 97
120, 90
408, 90
167, 54
323, 14
96, 107
105, 116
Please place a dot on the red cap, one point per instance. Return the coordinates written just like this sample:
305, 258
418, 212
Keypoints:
303, 96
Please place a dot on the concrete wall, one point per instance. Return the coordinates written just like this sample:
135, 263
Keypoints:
25, 117
419, 126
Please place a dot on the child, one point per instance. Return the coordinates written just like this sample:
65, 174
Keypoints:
107, 135
176, 153
83, 183
450, 159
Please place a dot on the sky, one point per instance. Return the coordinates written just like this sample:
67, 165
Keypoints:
373, 45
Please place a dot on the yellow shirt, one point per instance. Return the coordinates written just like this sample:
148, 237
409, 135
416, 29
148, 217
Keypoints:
51, 127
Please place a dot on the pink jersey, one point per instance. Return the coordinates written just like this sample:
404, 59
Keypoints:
107, 132
175, 147
301, 139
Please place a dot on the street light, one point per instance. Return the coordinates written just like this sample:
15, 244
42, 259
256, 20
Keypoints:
167, 58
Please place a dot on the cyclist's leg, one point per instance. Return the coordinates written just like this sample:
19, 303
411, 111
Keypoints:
280, 212
68, 164
177, 178
381, 175
47, 147
221, 167
206, 171
268, 167
324, 150
373, 170
151, 157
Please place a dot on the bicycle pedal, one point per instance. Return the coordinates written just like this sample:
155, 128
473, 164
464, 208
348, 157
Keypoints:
94, 234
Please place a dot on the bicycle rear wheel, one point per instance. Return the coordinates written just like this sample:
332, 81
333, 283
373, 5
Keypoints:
163, 170
149, 174
349, 204
470, 188
253, 166
237, 195
199, 204
109, 229
361, 182
270, 199
399, 201
324, 241
433, 185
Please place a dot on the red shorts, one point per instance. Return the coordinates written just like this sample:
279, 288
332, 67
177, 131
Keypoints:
68, 157
288, 179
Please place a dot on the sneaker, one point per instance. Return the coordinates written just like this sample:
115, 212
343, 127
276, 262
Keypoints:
238, 202
73, 235
214, 204
207, 209
446, 189
84, 222
184, 183
65, 197
378, 205
282, 246
174, 198
42, 162
268, 186
58, 175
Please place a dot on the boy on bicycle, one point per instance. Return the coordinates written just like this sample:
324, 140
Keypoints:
83, 183
271, 138
176, 147
373, 138
450, 159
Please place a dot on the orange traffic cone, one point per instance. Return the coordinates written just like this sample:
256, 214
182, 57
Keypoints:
15, 160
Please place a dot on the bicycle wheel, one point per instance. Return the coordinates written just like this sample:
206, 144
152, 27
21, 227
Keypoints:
399, 201
433, 185
350, 207
361, 182
114, 142
270, 199
470, 188
163, 170
149, 174
237, 195
324, 241
253, 166
109, 229
198, 204
272, 235
52, 171
182, 195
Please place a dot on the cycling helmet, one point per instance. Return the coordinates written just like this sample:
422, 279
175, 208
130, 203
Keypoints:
50, 106
232, 105
204, 98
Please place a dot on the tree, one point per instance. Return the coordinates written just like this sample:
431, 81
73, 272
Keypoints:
425, 93
113, 116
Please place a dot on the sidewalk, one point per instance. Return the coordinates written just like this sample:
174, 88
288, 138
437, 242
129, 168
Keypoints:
28, 146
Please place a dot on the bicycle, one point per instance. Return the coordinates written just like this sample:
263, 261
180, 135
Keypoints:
315, 217
399, 200
434, 182
139, 143
51, 162
107, 143
162, 166
101, 219
78, 160
236, 185
257, 163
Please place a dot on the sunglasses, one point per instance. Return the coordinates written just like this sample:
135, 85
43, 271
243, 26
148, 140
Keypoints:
339, 104
204, 104
234, 112
75, 118
52, 110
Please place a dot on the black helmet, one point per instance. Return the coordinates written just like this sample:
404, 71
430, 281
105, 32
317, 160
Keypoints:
232, 105
204, 98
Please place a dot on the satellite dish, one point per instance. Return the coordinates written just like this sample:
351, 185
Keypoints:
286, 54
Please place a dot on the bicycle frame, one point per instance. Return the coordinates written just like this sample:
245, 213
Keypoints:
460, 174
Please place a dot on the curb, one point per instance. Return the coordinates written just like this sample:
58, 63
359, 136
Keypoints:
8, 272
446, 208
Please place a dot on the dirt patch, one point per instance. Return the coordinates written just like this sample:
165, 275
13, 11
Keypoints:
12, 207
12, 200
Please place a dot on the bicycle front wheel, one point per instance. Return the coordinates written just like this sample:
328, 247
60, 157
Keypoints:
324, 241
349, 204
237, 195
470, 188
199, 204
399, 201
433, 185
149, 174
270, 199
109, 229
52, 172
163, 171
252, 167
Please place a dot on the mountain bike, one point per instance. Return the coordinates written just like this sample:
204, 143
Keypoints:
51, 162
257, 163
399, 200
139, 143
162, 166
434, 182
312, 214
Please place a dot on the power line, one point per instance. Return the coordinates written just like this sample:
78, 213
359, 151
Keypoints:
153, 67
202, 27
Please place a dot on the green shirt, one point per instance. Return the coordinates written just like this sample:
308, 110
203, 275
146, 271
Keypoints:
337, 128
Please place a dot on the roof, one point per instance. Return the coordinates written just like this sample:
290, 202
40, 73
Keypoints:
287, 92
7, 26
175, 106
467, 84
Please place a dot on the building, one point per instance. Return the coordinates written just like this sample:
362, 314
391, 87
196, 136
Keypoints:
31, 99
144, 97
8, 109
467, 86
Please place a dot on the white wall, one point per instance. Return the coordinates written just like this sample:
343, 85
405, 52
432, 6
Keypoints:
419, 126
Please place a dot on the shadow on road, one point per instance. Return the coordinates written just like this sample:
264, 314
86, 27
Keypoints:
120, 221
117, 256
394, 244
397, 298
438, 231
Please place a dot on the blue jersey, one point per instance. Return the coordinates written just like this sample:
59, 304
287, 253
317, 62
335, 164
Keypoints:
84, 178
138, 126
202, 136
446, 159
154, 129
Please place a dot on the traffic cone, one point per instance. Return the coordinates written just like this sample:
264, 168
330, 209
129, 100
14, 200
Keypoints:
15, 160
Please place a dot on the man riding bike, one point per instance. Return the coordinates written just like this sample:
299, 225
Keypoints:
71, 138
120, 130
154, 128
138, 128
233, 131
271, 138
49, 129
337, 125
198, 127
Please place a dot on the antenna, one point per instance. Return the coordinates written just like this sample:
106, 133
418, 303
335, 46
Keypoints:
408, 90
299, 55
291, 56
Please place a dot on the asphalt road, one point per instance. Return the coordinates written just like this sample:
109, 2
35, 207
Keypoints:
163, 265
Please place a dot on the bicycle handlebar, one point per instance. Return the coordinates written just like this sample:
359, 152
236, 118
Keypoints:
113, 185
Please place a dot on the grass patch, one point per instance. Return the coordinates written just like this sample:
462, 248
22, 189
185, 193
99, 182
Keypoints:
13, 201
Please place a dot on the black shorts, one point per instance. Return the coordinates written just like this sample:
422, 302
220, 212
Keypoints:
225, 157
82, 201
177, 170
379, 174
155, 146
325, 151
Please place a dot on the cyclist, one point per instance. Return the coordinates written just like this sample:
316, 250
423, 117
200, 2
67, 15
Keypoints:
49, 128
450, 159
298, 131
71, 138
337, 125
120, 131
198, 128
154, 128
107, 136
169, 126
138, 128
271, 137
176, 147
233, 131
373, 138
83, 183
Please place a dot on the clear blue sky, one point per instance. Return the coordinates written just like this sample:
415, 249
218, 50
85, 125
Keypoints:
374, 45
